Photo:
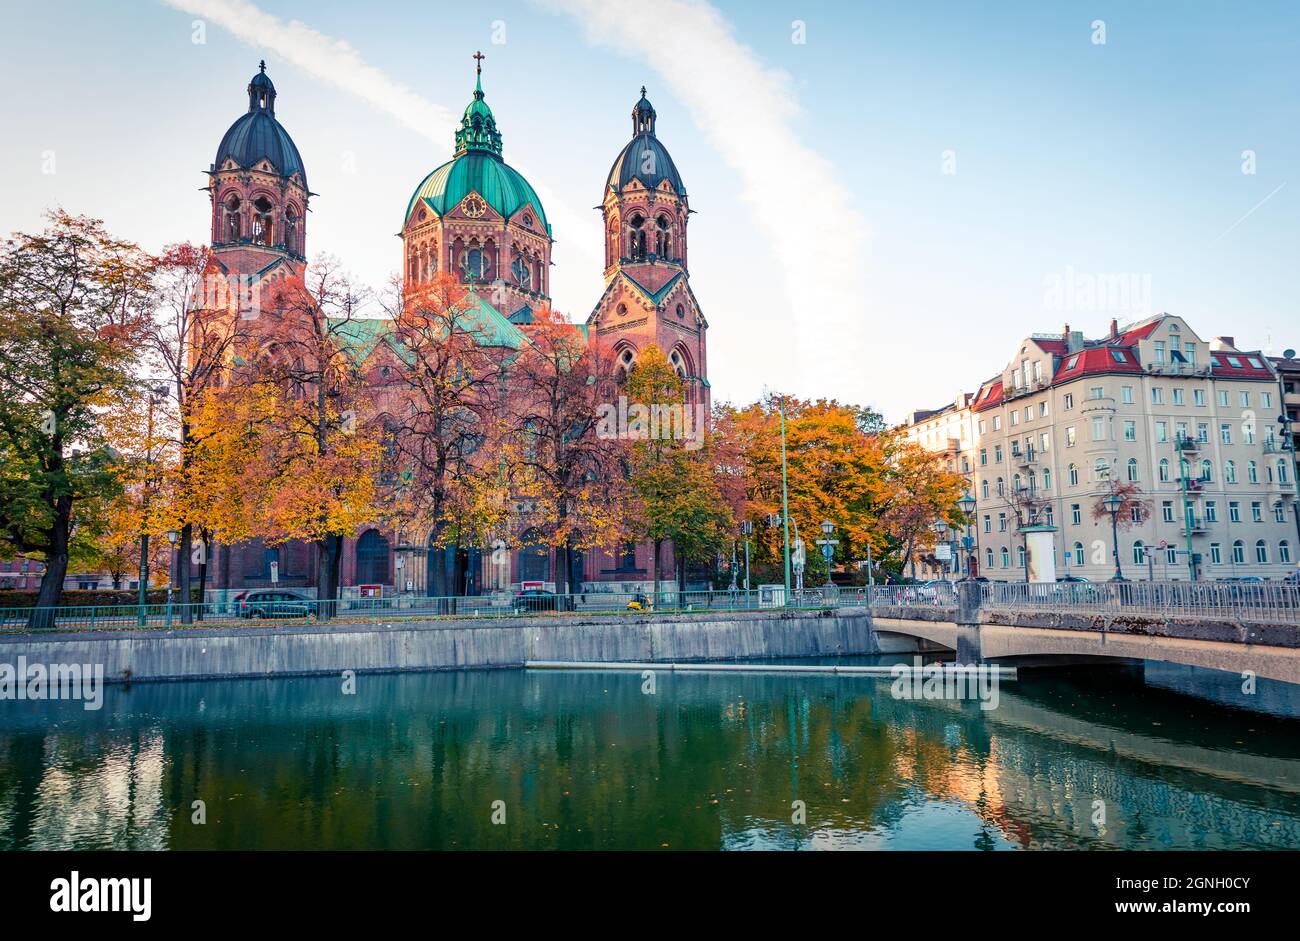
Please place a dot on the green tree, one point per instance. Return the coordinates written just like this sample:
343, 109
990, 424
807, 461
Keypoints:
73, 302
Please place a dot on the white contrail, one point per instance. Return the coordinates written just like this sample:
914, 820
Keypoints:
747, 112
335, 62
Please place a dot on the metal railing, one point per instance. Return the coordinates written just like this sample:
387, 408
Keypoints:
293, 609
1254, 601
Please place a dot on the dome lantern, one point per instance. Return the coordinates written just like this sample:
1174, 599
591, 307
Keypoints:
261, 91
478, 128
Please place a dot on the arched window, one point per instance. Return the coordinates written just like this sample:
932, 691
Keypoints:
1074, 476
1284, 552
678, 363
372, 558
1261, 551
1078, 553
626, 360
1207, 471
474, 263
1006, 558
415, 269
636, 238
1238, 552
984, 491
1132, 468
522, 271
231, 226
1139, 553
1002, 490
1164, 470
1047, 478
1230, 472
662, 235
291, 230
534, 560
988, 557
1016, 485
1252, 472
1020, 556
262, 208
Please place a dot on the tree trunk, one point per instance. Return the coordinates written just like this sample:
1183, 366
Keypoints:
654, 575
206, 539
56, 567
184, 548
325, 590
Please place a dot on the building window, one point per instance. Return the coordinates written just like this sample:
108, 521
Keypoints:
1256, 512
1157, 395
1068, 401
1245, 400
231, 227
1069, 436
1284, 552
262, 221
1132, 468
1078, 553
1279, 512
1101, 470
984, 489
1130, 430
1074, 475
988, 558
1076, 514
1164, 470
988, 523
1198, 396
1162, 432
1211, 511
1006, 558
1239, 552
1139, 553
1126, 395
1230, 472
1002, 522
1216, 554
1047, 478
1225, 433
1207, 471
1178, 396
534, 560
1252, 472
1234, 511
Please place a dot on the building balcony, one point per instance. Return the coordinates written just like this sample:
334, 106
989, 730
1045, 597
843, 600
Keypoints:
1274, 446
1178, 369
1187, 443
1024, 458
1196, 528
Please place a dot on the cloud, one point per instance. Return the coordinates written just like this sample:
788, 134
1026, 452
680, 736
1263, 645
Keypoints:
335, 62
749, 114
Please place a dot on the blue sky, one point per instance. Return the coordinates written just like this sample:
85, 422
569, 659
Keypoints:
830, 251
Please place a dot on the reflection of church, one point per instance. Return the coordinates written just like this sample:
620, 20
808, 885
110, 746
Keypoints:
477, 216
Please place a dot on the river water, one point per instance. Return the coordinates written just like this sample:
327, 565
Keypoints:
512, 759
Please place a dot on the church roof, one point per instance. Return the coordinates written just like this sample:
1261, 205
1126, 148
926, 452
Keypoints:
644, 158
501, 186
477, 167
257, 135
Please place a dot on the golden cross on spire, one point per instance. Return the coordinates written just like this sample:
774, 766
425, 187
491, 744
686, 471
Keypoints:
478, 64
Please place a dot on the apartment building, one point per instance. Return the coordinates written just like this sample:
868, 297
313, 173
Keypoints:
1187, 427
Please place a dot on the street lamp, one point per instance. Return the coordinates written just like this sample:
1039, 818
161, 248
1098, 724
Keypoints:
941, 529
828, 548
967, 506
747, 530
1113, 504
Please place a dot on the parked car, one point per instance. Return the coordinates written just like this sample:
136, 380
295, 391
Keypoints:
1072, 578
535, 599
272, 604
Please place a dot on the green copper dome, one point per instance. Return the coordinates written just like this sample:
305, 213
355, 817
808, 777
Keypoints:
477, 167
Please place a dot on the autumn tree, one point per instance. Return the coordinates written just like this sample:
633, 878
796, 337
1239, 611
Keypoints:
446, 434
73, 303
190, 342
301, 394
673, 481
568, 476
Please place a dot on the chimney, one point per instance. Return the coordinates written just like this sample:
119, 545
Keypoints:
1065, 334
1114, 329
1229, 342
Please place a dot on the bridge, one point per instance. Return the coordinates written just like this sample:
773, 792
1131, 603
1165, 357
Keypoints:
1240, 629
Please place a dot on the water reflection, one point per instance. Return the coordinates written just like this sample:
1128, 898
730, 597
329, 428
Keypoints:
586, 761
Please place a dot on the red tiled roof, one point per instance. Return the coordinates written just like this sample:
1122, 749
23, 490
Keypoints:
1222, 365
990, 394
1098, 361
1052, 346
1141, 332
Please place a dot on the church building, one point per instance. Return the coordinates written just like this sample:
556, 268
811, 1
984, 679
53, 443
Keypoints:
477, 217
